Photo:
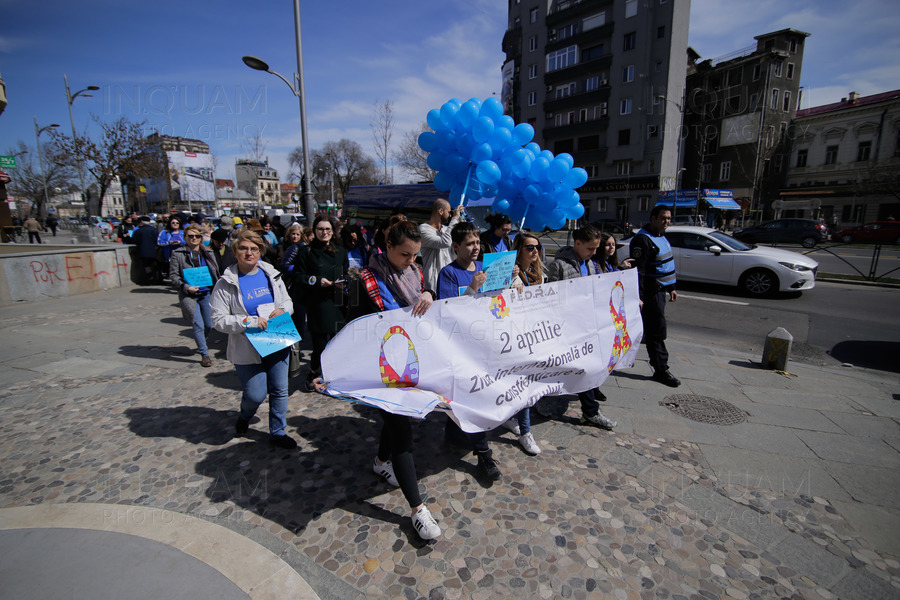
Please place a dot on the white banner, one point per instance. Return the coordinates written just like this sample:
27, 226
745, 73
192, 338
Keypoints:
486, 357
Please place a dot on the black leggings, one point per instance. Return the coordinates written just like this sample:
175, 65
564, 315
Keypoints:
396, 445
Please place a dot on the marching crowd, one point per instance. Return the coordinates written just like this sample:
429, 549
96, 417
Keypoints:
328, 274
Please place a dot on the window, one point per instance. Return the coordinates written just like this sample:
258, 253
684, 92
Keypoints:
591, 53
561, 59
786, 102
567, 89
630, 41
591, 83
776, 71
725, 170
628, 74
793, 46
630, 8
623, 167
566, 32
831, 153
560, 146
532, 98
643, 203
782, 130
565, 119
790, 71
756, 72
532, 71
802, 156
774, 103
779, 163
604, 109
594, 21
625, 106
592, 171
864, 151
533, 15
706, 172
590, 142
532, 43
754, 102
735, 76
734, 104
661, 32
624, 137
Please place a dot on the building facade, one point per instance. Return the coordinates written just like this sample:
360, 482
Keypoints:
259, 180
592, 77
738, 109
845, 161
186, 180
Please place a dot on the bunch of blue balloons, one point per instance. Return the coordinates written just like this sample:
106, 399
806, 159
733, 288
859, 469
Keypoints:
478, 152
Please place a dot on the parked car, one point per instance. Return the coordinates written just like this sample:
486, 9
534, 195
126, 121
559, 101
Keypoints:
806, 232
706, 255
687, 220
612, 225
878, 231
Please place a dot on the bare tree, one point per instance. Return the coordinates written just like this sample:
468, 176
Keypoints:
412, 158
254, 147
350, 164
382, 125
122, 150
29, 176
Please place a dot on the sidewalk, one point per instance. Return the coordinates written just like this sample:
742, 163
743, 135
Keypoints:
120, 471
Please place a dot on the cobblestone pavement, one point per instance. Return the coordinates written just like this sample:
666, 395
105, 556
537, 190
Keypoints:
597, 515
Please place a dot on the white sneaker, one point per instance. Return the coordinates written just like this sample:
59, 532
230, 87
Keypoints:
386, 471
599, 420
513, 425
425, 525
530, 446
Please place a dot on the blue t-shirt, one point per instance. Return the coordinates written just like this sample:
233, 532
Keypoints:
453, 280
255, 290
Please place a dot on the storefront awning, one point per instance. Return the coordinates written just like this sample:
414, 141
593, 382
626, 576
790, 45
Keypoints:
723, 203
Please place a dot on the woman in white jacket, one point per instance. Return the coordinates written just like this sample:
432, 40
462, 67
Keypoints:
243, 290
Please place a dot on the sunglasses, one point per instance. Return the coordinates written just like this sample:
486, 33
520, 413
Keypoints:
192, 237
531, 247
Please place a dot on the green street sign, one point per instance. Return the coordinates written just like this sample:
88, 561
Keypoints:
7, 162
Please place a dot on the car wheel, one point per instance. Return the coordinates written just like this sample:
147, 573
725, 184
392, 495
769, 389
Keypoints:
808, 242
847, 238
759, 282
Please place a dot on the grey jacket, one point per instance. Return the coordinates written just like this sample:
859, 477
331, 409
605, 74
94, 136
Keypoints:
228, 312
178, 262
566, 266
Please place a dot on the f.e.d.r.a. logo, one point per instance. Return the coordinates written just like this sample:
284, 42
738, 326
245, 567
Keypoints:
498, 307
410, 372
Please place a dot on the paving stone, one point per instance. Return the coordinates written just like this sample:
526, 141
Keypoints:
816, 563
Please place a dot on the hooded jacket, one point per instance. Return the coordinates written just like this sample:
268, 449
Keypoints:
567, 266
228, 311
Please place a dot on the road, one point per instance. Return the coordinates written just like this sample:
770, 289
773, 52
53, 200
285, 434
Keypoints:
835, 259
833, 324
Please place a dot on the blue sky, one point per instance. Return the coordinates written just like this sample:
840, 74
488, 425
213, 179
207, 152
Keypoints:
178, 66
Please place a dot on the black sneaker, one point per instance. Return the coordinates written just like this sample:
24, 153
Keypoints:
241, 426
283, 441
487, 466
666, 378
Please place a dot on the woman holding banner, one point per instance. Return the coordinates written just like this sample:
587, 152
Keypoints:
194, 270
248, 295
394, 280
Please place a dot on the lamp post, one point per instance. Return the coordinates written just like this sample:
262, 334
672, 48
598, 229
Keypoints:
70, 98
298, 90
37, 138
331, 175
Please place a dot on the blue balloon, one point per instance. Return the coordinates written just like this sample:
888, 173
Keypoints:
500, 139
481, 152
455, 164
476, 101
531, 194
558, 169
482, 129
427, 141
488, 172
522, 134
507, 189
523, 168
456, 195
548, 155
468, 112
464, 143
534, 220
568, 158
556, 219
492, 108
500, 205
539, 168
436, 160
443, 181
445, 140
434, 119
489, 191
575, 178
517, 210
506, 121
566, 197
475, 189
448, 115
534, 147
576, 212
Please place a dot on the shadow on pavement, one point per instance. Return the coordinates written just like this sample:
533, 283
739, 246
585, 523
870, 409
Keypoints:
729, 291
153, 289
182, 354
882, 356
193, 424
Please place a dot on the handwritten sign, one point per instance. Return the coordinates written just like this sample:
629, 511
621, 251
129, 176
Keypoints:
499, 268
198, 277
279, 333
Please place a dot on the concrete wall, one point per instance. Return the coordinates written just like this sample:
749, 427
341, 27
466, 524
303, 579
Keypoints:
55, 273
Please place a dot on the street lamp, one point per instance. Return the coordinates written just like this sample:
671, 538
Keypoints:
37, 137
331, 174
70, 98
298, 90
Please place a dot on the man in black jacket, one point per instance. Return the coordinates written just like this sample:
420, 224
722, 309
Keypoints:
144, 237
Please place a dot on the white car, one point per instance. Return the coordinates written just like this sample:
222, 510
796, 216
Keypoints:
711, 256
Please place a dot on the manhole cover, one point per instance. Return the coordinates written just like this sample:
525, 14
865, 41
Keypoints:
704, 409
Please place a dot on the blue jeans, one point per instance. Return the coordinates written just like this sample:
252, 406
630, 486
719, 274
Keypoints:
269, 376
202, 323
524, 419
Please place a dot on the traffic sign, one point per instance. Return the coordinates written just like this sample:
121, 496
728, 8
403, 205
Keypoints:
7, 162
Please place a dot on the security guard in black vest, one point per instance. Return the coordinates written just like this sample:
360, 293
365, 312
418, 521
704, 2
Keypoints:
655, 263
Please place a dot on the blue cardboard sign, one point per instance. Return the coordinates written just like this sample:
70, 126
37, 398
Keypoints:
499, 269
279, 333
197, 276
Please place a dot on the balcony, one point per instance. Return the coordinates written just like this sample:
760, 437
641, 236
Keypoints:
576, 9
576, 129
581, 100
579, 70
584, 39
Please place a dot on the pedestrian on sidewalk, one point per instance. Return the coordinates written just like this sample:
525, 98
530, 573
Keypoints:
655, 262
194, 299
248, 294
33, 227
144, 238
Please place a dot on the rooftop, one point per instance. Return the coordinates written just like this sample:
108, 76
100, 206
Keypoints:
853, 100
